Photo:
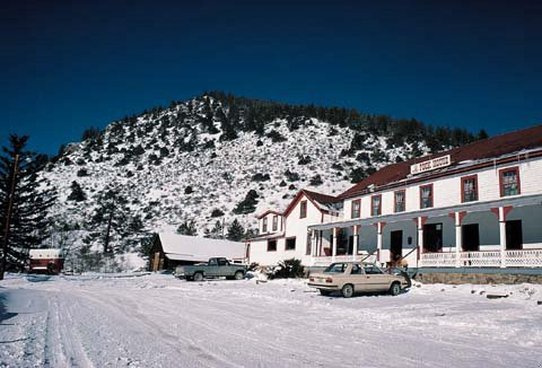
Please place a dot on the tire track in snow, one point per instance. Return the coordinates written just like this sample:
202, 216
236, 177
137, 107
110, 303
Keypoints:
62, 343
157, 343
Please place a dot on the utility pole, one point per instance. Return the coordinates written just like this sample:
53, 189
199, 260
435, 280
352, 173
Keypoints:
8, 217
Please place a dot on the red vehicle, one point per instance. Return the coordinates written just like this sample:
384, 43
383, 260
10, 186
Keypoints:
50, 261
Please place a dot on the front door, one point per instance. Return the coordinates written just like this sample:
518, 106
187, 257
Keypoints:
514, 235
471, 237
396, 245
432, 238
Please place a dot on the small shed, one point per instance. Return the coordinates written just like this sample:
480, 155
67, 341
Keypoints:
170, 250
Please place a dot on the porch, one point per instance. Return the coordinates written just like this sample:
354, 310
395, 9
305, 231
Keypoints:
497, 234
503, 259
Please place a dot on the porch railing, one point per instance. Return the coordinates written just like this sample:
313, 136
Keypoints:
509, 258
326, 261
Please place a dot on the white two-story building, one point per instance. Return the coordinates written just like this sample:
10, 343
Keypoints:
479, 205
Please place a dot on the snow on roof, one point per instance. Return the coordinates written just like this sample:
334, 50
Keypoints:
193, 248
45, 253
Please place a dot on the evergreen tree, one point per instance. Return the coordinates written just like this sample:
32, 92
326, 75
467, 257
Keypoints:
23, 205
187, 228
217, 232
236, 232
77, 194
109, 221
248, 205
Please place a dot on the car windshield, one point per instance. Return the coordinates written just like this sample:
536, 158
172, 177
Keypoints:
336, 268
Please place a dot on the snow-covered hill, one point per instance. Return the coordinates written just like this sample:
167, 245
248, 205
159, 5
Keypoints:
197, 160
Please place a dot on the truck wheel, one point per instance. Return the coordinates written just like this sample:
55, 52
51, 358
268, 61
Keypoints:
198, 276
347, 291
239, 275
395, 289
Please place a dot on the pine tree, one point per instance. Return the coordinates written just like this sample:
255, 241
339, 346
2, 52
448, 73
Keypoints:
109, 221
23, 204
236, 232
187, 228
217, 232
77, 194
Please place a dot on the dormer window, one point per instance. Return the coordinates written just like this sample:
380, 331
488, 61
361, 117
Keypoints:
264, 225
303, 209
275, 223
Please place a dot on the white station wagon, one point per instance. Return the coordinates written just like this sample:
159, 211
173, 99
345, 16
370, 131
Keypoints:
355, 277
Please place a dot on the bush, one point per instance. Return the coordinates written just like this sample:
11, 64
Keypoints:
82, 172
291, 175
217, 213
316, 180
288, 269
276, 136
260, 177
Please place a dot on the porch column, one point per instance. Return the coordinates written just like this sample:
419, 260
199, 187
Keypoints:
420, 221
334, 245
313, 243
501, 213
458, 219
356, 242
320, 243
379, 239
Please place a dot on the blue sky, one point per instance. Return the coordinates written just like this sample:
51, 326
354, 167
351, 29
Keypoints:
70, 65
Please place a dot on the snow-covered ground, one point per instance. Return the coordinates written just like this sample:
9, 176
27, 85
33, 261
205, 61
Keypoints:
159, 321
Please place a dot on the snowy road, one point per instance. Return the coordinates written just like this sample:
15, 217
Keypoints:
158, 321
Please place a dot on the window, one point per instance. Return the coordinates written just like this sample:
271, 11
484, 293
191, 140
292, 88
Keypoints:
509, 180
426, 196
376, 205
272, 245
356, 208
309, 244
469, 188
264, 225
336, 268
303, 209
275, 223
290, 244
399, 201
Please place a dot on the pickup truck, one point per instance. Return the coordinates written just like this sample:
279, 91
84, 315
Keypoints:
216, 267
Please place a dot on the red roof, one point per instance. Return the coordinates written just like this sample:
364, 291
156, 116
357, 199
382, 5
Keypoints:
314, 197
483, 149
268, 212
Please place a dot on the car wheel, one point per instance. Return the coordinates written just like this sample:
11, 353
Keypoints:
239, 275
395, 289
347, 291
325, 292
198, 276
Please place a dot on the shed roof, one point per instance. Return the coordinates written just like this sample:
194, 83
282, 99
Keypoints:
193, 248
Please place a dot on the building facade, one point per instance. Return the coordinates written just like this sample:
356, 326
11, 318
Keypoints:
479, 205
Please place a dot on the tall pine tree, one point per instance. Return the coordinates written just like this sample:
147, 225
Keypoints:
236, 232
24, 201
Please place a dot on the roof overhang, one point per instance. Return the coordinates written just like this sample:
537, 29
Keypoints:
520, 201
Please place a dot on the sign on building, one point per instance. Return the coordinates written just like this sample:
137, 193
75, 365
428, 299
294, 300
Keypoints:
429, 165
